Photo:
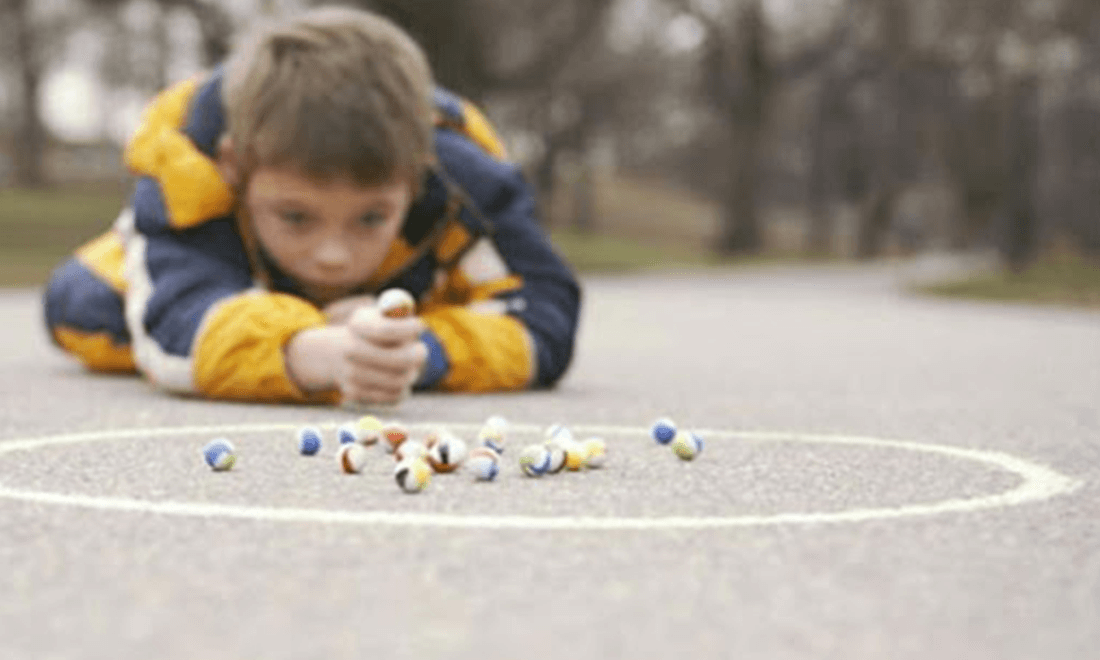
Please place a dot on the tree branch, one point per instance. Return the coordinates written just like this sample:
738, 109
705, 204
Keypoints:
553, 55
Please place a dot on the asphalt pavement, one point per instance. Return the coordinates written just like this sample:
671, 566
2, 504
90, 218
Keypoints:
884, 476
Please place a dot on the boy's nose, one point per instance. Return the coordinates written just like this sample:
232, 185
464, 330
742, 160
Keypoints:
332, 253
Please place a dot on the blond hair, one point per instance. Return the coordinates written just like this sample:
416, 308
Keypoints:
334, 92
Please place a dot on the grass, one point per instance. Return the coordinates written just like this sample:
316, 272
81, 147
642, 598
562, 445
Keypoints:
598, 253
1063, 279
593, 253
40, 228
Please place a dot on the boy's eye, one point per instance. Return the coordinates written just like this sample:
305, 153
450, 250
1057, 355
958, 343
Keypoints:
372, 219
293, 217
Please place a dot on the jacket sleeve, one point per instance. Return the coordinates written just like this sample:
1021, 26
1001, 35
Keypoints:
505, 317
197, 323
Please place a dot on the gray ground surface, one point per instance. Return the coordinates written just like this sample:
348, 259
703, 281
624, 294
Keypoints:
835, 350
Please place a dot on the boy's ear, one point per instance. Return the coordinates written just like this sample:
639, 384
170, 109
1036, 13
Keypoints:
226, 161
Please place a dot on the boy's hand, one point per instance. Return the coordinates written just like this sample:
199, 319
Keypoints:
341, 311
371, 359
383, 358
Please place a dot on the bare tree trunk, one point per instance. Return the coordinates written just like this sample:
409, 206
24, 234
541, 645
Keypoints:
584, 198
30, 139
740, 226
877, 209
889, 128
545, 180
978, 167
447, 31
744, 87
1020, 243
874, 221
456, 48
820, 230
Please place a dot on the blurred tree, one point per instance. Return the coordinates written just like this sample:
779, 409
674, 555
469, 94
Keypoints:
889, 123
602, 98
998, 150
480, 47
876, 112
1020, 241
958, 84
30, 135
1071, 180
738, 81
522, 50
215, 25
740, 73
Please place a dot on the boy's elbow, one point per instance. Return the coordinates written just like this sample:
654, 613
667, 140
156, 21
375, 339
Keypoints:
555, 342
170, 373
553, 369
83, 316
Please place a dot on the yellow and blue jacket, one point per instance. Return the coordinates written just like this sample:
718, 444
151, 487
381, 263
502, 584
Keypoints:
172, 291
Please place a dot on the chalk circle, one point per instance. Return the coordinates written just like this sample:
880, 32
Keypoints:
1038, 483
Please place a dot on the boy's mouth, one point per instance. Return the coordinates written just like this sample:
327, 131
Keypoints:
326, 293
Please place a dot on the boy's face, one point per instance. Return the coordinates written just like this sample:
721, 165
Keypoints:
330, 236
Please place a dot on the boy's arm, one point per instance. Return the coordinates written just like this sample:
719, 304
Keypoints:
197, 323
506, 319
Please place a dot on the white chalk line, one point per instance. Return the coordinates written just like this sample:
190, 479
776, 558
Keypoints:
1038, 483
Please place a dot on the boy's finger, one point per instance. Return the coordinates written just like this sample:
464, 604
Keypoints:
371, 325
374, 379
396, 361
367, 394
400, 331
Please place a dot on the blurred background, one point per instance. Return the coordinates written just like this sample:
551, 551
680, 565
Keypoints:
658, 132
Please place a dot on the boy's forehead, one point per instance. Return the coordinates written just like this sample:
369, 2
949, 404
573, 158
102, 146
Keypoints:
291, 181
277, 190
